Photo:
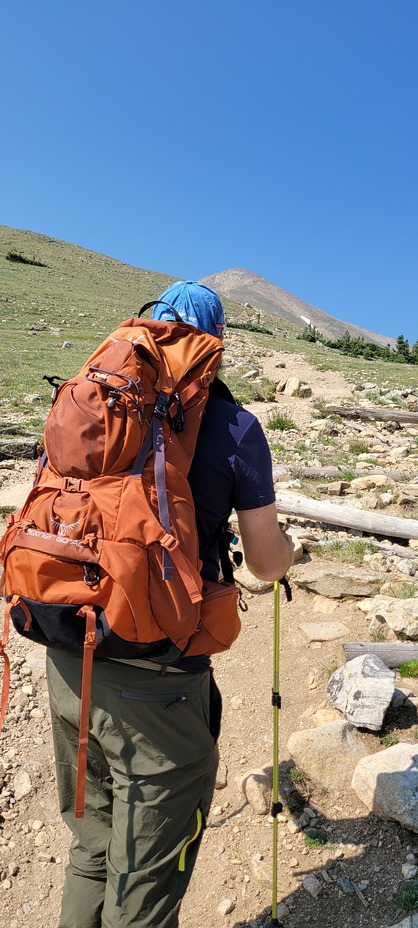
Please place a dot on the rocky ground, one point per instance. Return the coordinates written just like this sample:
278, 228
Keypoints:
350, 880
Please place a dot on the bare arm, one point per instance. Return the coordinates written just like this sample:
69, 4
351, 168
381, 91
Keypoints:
268, 551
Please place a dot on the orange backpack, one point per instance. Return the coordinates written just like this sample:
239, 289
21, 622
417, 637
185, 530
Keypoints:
103, 557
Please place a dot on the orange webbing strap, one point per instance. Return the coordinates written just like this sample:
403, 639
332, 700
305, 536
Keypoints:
192, 388
15, 601
6, 669
189, 575
90, 642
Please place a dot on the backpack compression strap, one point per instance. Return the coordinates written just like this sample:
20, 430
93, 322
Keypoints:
6, 671
154, 440
90, 642
171, 553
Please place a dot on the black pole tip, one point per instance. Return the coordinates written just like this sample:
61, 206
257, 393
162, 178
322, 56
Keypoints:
273, 923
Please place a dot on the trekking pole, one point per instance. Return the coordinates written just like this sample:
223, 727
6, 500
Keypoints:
276, 806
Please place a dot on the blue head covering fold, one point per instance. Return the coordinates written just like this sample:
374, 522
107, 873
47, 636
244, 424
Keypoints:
195, 303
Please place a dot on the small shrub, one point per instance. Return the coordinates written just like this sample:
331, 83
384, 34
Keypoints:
379, 634
21, 259
292, 805
246, 391
330, 667
405, 591
280, 423
250, 327
348, 475
351, 552
297, 775
315, 837
406, 896
389, 739
300, 448
408, 669
358, 446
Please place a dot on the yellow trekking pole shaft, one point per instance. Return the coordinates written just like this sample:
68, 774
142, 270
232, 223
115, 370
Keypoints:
276, 804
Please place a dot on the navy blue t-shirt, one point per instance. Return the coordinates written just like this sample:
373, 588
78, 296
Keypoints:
231, 469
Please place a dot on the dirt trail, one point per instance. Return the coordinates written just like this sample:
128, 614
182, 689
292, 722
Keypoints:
234, 861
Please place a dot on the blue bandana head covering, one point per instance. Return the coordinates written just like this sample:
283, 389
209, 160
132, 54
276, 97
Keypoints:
197, 305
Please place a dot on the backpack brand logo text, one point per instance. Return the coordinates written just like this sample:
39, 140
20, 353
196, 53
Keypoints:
60, 539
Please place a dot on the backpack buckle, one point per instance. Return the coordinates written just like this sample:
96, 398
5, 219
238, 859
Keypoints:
161, 406
177, 420
168, 542
73, 484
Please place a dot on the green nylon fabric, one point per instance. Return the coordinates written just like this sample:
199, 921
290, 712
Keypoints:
151, 764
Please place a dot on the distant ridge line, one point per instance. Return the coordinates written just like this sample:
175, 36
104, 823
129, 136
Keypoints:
244, 286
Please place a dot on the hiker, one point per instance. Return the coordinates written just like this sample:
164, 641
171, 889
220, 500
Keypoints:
151, 773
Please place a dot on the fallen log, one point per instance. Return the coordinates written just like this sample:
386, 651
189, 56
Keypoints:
335, 471
389, 550
361, 519
393, 654
15, 431
315, 472
378, 415
368, 432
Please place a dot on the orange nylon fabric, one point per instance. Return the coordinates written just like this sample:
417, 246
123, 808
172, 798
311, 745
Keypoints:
219, 621
87, 508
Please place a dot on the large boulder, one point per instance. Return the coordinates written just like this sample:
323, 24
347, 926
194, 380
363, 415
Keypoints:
410, 921
386, 783
328, 754
401, 615
13, 497
362, 689
337, 582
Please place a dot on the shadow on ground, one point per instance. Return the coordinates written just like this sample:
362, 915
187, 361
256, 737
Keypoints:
342, 898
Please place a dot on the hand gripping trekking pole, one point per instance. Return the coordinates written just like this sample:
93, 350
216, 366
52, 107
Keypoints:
276, 806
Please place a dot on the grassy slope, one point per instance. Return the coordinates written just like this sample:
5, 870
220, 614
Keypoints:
79, 293
80, 296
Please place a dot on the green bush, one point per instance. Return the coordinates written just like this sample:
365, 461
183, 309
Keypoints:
358, 446
350, 552
249, 327
21, 259
408, 669
406, 896
389, 739
405, 591
279, 422
297, 775
315, 837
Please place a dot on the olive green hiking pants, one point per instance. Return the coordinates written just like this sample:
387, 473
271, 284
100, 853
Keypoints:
152, 764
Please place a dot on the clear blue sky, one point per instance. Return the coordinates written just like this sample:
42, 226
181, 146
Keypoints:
191, 137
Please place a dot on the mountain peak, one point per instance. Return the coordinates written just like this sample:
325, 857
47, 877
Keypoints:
244, 286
